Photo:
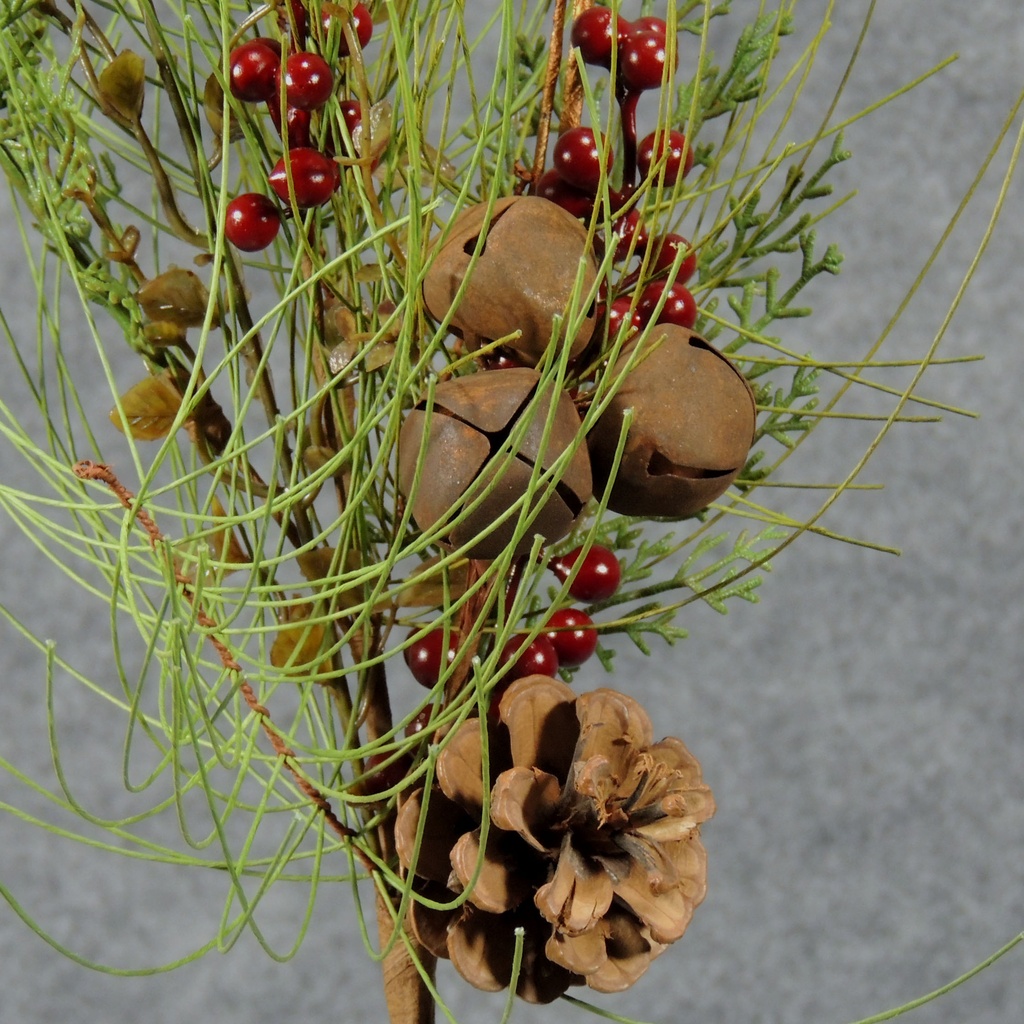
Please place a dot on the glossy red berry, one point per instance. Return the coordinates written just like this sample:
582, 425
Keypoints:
594, 33
308, 81
671, 147
252, 222
314, 175
577, 159
297, 124
573, 636
552, 187
633, 234
679, 307
298, 21
649, 23
352, 114
618, 314
536, 658
254, 67
665, 250
597, 577
642, 61
426, 656
362, 25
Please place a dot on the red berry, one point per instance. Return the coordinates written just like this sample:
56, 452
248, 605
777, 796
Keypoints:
679, 308
619, 313
573, 636
634, 234
594, 33
597, 577
251, 222
577, 158
501, 359
254, 68
297, 124
671, 147
550, 186
352, 113
424, 656
666, 249
362, 25
380, 777
308, 81
314, 175
642, 60
420, 722
297, 23
536, 658
649, 23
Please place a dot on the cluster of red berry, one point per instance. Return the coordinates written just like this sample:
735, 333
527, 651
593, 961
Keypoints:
636, 53
293, 87
569, 638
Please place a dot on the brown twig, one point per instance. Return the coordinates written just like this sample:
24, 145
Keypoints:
547, 102
87, 470
572, 91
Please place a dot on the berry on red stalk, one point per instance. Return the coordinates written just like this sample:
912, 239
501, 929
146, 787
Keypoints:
314, 175
380, 777
426, 658
597, 577
362, 25
666, 249
578, 160
680, 307
671, 147
535, 658
254, 67
308, 81
251, 222
550, 186
642, 61
296, 124
352, 114
573, 636
420, 722
633, 234
594, 33
649, 23
621, 311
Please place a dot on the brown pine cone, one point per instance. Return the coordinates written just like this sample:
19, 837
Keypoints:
592, 845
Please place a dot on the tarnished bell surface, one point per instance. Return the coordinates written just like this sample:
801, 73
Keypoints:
471, 420
693, 424
522, 280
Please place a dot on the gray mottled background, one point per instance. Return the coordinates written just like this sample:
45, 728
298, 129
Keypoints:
862, 726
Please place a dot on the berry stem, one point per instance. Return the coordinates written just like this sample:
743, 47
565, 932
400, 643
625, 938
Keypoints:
628, 100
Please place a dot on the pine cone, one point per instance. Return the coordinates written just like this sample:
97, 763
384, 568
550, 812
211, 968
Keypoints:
592, 847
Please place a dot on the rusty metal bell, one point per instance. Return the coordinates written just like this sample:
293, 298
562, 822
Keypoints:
692, 427
462, 459
524, 277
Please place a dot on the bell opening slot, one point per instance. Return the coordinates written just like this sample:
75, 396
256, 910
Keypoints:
661, 465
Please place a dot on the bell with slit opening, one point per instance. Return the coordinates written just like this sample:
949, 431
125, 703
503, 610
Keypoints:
693, 421
522, 277
481, 440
